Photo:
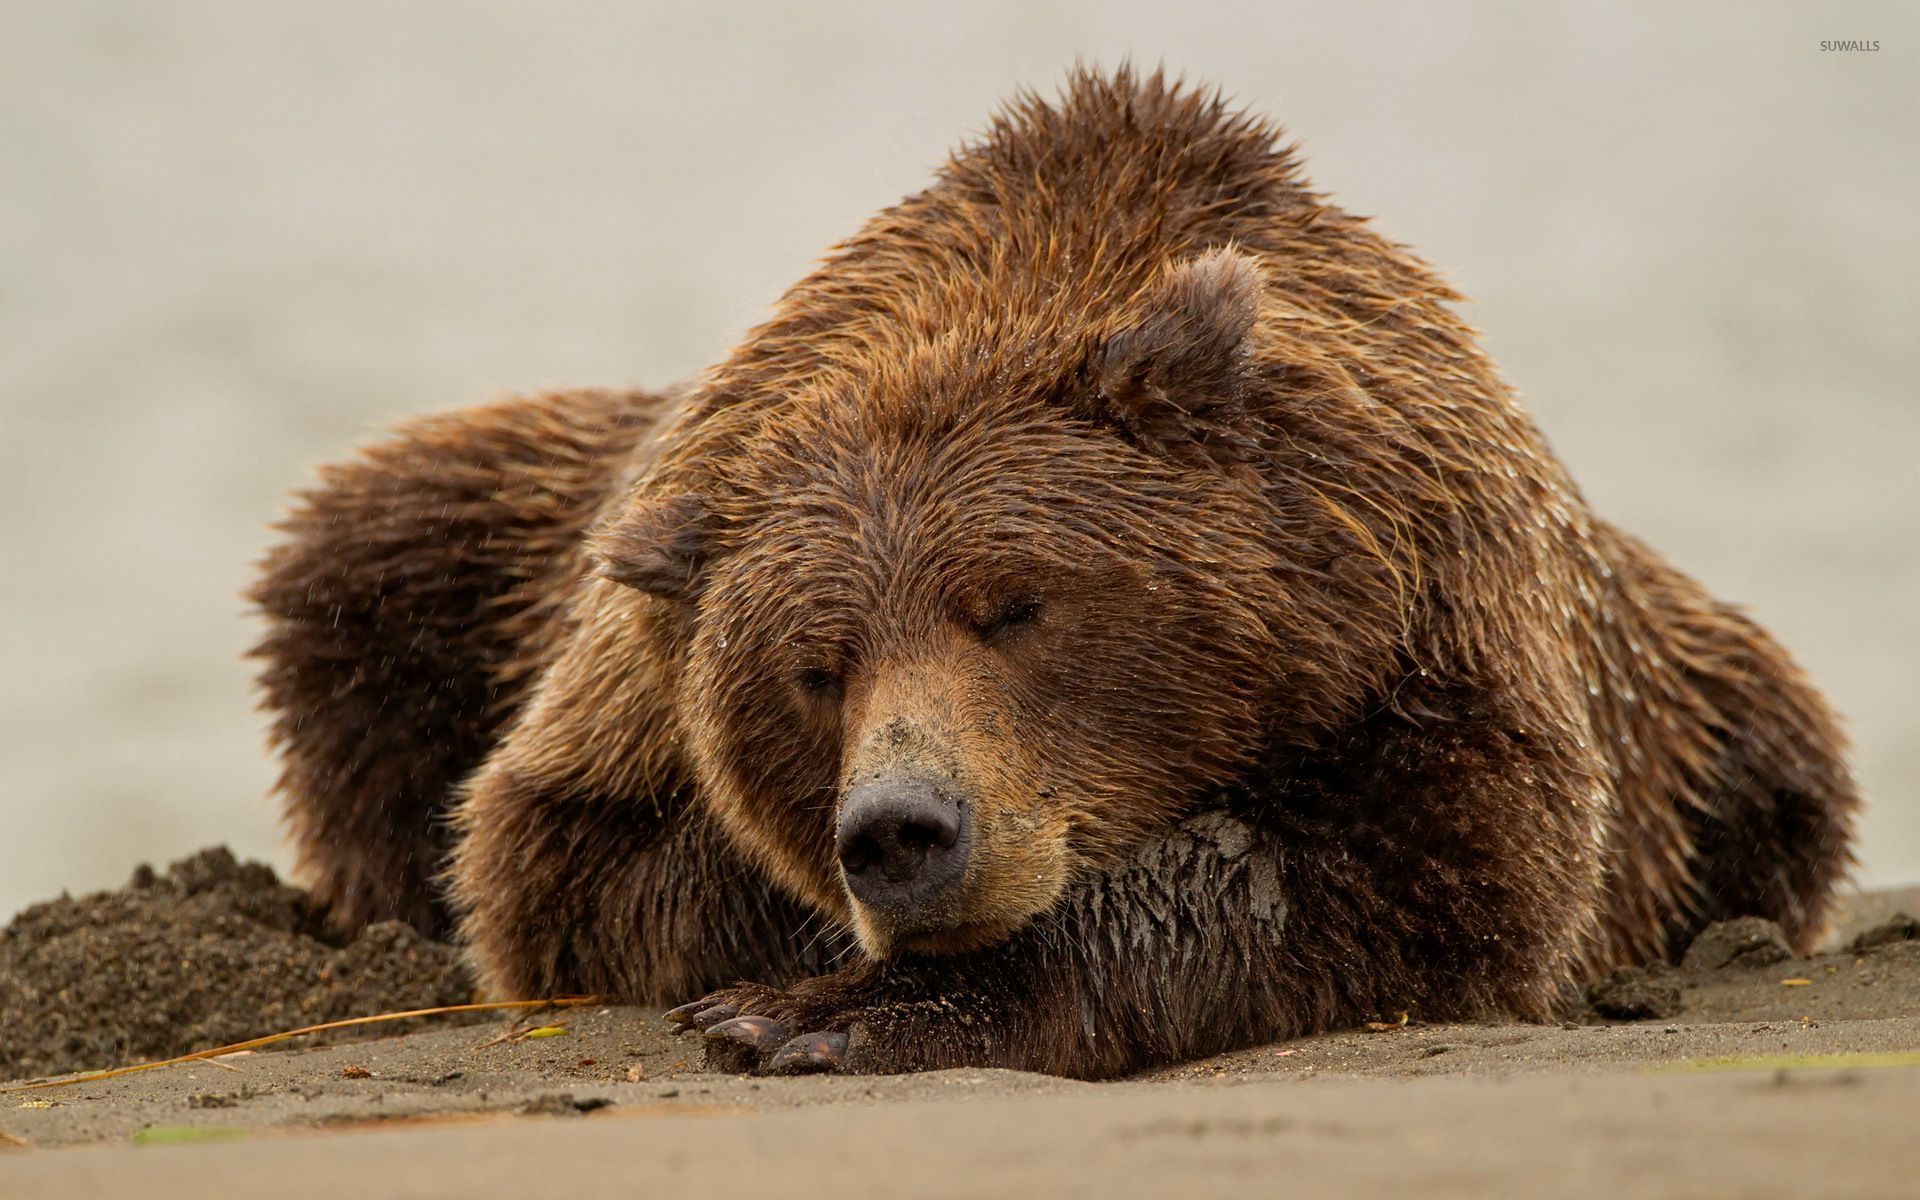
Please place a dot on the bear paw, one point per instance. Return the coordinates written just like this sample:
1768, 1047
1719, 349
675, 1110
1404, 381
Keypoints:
756, 1042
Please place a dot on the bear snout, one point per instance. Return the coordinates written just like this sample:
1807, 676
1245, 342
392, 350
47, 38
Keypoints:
902, 842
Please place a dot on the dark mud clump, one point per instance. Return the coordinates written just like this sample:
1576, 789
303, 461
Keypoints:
1901, 927
1635, 994
212, 952
1742, 942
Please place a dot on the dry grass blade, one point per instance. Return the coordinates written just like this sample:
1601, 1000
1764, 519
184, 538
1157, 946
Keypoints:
515, 1031
274, 1038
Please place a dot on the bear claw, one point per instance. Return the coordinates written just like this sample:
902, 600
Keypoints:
809, 1054
701, 1015
682, 1017
738, 1044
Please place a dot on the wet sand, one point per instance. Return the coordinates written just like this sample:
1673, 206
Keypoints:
1756, 1085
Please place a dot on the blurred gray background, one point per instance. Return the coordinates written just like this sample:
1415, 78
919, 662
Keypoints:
236, 239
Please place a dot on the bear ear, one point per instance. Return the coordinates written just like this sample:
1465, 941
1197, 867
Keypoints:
657, 546
1175, 378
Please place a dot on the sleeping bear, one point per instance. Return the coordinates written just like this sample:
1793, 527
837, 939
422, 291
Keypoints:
1110, 613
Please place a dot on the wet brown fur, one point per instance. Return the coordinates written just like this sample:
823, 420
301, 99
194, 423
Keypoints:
1336, 702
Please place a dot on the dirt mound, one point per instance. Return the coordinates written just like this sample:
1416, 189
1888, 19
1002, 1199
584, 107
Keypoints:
1635, 994
1745, 941
214, 951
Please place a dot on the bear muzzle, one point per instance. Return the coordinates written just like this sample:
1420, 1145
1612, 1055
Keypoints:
903, 842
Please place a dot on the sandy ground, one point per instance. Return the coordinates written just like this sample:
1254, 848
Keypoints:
1757, 1085
1819, 1133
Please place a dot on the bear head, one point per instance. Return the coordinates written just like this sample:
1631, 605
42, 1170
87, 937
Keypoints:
981, 616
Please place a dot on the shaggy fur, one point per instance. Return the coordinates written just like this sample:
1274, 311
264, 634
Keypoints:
1155, 506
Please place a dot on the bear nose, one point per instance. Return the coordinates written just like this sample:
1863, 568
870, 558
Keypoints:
901, 843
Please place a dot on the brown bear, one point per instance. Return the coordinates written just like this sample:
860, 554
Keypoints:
1112, 612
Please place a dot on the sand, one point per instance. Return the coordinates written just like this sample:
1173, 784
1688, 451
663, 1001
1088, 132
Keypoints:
1750, 1082
211, 952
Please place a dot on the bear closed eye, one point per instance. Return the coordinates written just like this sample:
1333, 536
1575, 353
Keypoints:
1011, 616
